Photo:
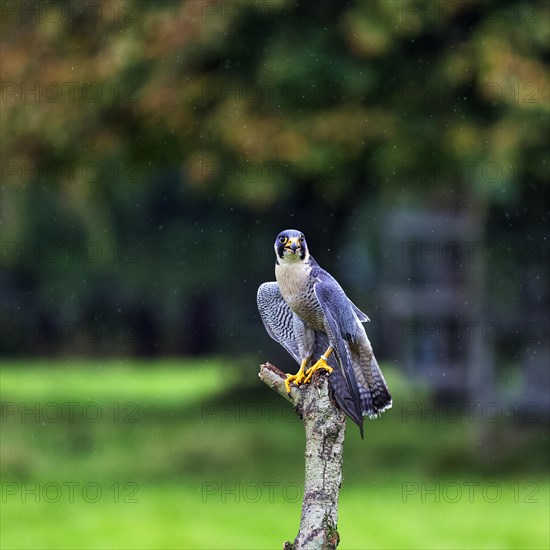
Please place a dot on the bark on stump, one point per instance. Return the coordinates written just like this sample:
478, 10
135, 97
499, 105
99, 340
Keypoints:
325, 428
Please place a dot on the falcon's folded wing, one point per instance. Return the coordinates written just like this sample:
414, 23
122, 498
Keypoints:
278, 321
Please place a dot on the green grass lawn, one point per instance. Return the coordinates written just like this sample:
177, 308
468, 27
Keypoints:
174, 454
173, 515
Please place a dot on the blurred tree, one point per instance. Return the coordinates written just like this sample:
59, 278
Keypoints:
143, 143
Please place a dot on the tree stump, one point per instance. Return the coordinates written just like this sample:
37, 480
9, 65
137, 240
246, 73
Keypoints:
325, 428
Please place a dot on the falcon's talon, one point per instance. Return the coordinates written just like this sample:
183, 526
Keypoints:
287, 385
293, 378
321, 364
297, 378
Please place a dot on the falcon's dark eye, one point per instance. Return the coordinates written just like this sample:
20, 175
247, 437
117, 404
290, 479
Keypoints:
302, 239
282, 239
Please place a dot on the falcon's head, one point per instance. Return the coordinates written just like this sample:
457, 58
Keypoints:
291, 246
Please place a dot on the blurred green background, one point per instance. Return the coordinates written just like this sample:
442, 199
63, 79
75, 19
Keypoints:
151, 152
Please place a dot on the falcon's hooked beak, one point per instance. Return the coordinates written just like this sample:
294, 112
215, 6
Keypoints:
293, 244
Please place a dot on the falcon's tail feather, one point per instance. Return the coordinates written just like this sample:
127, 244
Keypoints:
375, 395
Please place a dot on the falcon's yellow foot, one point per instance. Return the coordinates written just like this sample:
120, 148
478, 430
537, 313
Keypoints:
297, 378
321, 364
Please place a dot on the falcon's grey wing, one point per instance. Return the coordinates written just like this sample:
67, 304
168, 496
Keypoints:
340, 323
277, 317
363, 317
278, 321
371, 386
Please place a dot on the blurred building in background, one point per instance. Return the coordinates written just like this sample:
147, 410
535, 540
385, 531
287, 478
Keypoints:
439, 320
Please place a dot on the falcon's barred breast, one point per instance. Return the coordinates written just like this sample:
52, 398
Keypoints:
309, 314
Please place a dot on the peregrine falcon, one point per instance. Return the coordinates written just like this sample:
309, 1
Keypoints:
309, 314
